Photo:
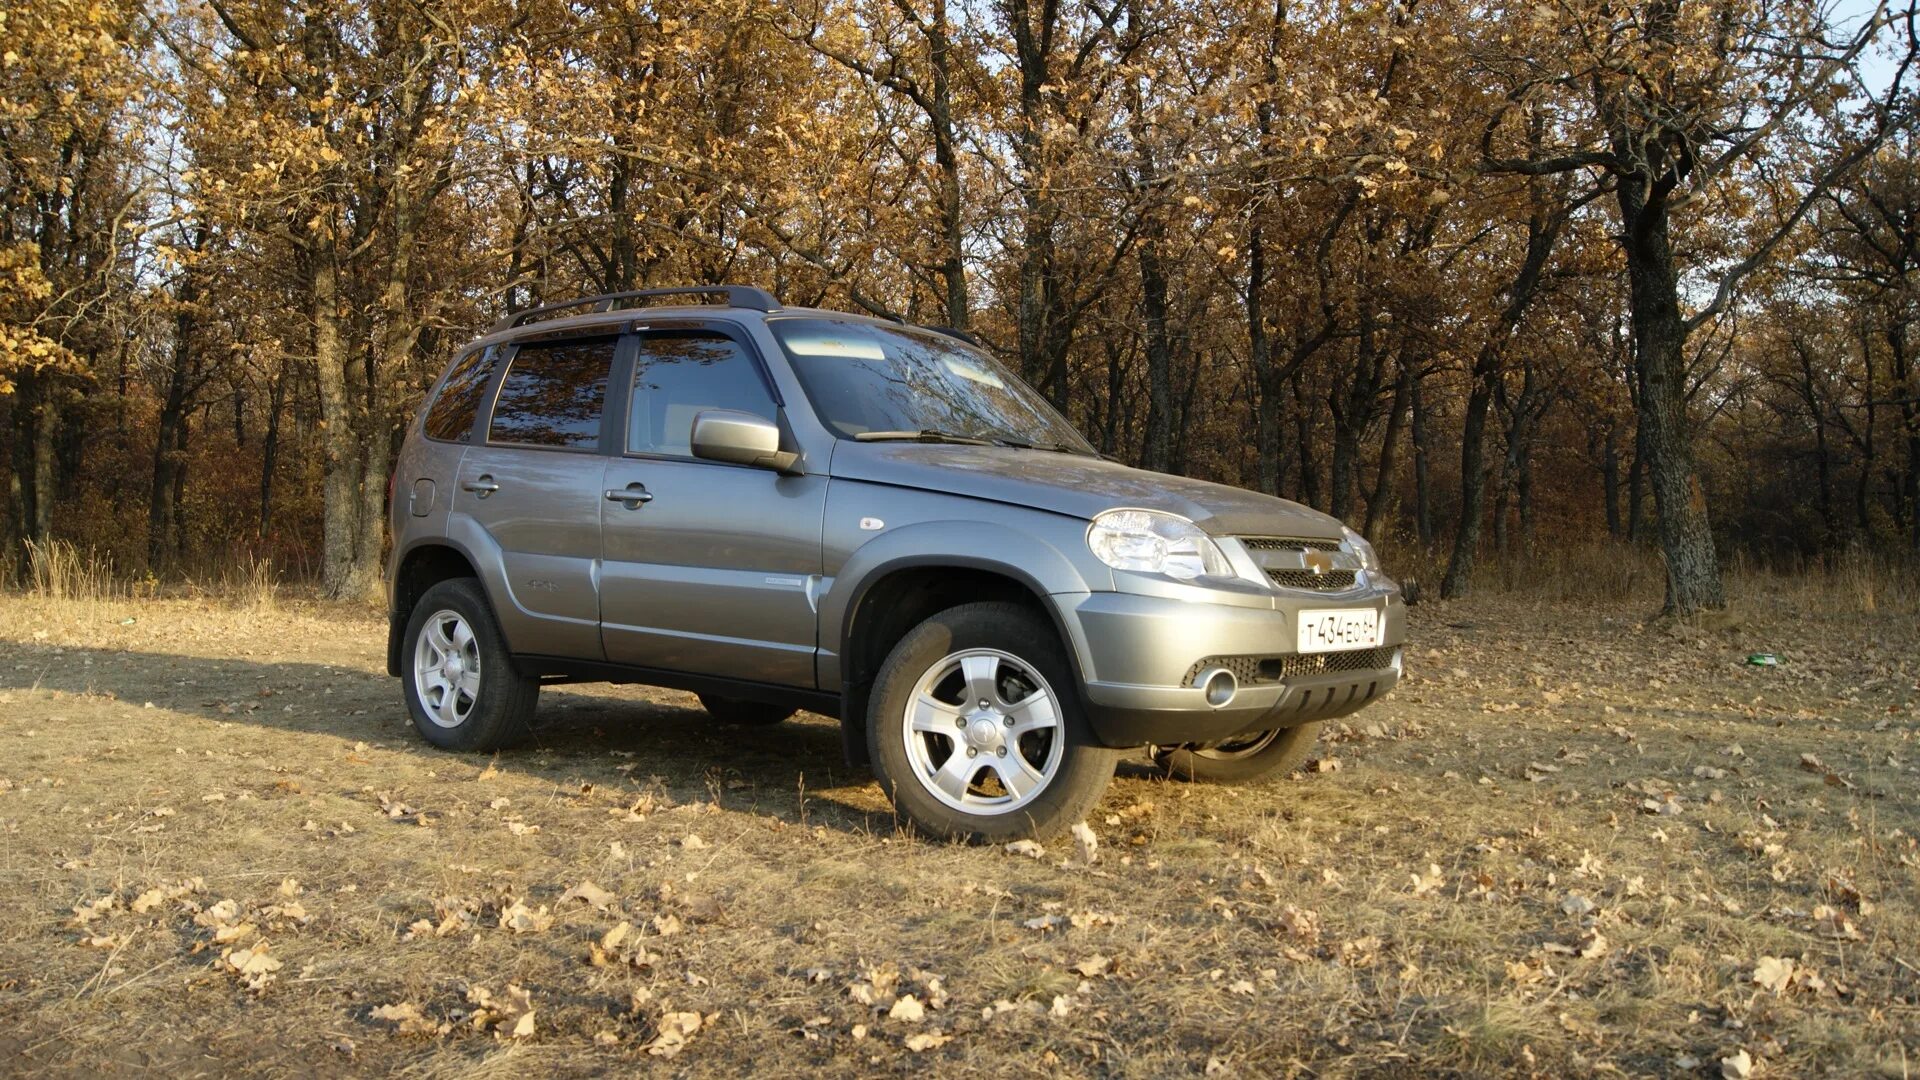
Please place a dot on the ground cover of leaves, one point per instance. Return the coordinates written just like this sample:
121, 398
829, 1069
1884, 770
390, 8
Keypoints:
1575, 841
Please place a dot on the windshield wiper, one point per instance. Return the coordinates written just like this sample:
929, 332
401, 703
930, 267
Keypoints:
923, 435
1023, 444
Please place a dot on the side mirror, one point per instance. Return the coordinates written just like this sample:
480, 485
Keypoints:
741, 438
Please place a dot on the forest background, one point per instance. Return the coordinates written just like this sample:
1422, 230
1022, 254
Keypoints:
1619, 292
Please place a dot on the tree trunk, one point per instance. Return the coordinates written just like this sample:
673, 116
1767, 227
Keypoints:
1157, 451
170, 441
345, 574
1380, 500
46, 428
1822, 456
1660, 338
1422, 464
953, 262
1636, 476
270, 449
1303, 438
1543, 230
1610, 480
1905, 389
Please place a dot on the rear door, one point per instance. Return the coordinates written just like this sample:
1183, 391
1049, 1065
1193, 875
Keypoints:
532, 487
710, 568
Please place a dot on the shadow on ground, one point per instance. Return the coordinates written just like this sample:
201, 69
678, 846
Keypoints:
597, 733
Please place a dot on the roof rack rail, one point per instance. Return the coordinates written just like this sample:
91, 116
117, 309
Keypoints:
743, 296
955, 332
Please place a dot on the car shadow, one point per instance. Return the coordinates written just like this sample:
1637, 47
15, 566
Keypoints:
659, 740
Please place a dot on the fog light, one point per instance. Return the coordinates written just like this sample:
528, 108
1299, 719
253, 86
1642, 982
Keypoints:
1219, 686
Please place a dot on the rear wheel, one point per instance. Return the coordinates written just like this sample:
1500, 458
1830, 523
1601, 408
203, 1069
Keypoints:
744, 713
976, 730
1246, 759
460, 684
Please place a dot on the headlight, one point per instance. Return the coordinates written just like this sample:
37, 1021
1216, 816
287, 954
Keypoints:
1368, 560
1155, 543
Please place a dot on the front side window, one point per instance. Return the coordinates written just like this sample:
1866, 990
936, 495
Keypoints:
678, 374
553, 394
876, 382
453, 412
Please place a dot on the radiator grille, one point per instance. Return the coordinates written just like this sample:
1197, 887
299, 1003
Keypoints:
1331, 581
1288, 543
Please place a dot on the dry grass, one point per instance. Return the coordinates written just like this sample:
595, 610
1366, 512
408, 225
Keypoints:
1412, 905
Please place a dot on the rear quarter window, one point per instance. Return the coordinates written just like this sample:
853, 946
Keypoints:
553, 394
451, 417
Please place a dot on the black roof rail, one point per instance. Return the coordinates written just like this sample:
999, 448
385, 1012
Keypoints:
741, 296
956, 332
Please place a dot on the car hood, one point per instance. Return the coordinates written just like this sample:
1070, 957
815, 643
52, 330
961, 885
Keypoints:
1076, 485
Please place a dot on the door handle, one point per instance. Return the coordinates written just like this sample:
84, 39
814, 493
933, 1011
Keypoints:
632, 495
482, 487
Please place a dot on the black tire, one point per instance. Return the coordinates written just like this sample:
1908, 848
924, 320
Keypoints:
500, 713
1024, 637
744, 713
1241, 761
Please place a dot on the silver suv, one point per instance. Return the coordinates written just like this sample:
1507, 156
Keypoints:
784, 508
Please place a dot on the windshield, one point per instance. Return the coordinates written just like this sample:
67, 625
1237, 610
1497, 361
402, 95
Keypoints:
873, 382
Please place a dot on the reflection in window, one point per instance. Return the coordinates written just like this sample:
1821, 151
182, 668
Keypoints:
552, 395
451, 418
864, 378
679, 374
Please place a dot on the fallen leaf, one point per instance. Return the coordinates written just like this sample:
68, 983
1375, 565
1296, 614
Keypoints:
926, 1040
1773, 973
1576, 905
407, 1019
521, 919
593, 895
1086, 843
673, 1032
1094, 966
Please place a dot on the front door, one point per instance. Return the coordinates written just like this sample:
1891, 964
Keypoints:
708, 568
532, 486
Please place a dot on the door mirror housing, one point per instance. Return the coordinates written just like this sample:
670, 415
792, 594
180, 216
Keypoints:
741, 438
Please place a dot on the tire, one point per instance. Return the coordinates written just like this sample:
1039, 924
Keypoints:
451, 628
967, 679
744, 713
1246, 760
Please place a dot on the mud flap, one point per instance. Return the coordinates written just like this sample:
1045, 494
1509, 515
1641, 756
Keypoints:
853, 726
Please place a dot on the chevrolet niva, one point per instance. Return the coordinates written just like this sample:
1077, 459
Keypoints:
782, 508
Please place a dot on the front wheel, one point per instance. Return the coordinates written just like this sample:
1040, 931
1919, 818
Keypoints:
461, 686
976, 730
1247, 759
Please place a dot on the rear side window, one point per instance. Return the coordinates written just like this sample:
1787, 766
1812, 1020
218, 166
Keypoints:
679, 374
553, 394
451, 417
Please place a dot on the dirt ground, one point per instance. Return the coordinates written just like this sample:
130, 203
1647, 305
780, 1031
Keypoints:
1573, 842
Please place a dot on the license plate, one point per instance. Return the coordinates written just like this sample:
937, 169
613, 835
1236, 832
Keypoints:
1338, 630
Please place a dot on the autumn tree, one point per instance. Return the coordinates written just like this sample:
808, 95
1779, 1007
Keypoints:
1684, 108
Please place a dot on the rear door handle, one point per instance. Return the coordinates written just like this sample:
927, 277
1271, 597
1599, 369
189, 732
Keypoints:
632, 495
482, 487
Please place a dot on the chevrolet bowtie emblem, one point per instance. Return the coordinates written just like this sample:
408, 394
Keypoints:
1317, 561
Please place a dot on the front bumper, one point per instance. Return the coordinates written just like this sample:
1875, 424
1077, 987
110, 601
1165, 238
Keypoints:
1137, 655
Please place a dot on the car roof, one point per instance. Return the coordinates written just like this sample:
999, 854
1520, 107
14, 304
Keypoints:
590, 322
